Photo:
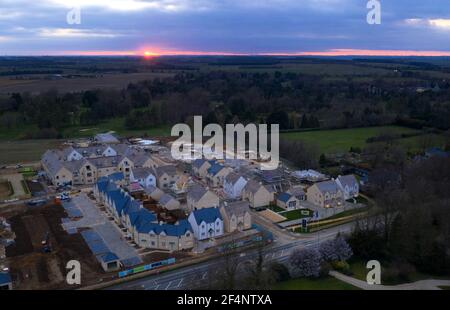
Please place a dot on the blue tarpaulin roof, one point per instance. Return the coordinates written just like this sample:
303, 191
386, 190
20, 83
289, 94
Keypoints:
5, 278
107, 257
90, 235
98, 247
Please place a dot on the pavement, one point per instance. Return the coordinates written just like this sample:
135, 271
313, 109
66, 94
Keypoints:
93, 218
431, 284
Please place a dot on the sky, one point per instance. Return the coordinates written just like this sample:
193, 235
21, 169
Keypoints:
225, 27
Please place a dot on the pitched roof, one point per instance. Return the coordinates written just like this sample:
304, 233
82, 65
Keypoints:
170, 170
297, 191
51, 160
199, 162
233, 177
348, 180
153, 192
252, 186
237, 208
215, 169
132, 206
142, 173
119, 198
142, 218
105, 162
166, 198
327, 186
116, 176
284, 197
179, 229
196, 192
106, 138
207, 215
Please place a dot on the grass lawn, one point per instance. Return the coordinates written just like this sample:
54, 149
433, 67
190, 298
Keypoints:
296, 214
328, 283
114, 124
340, 140
275, 208
358, 269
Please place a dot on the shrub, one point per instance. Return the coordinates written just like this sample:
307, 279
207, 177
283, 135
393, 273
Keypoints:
342, 267
280, 272
306, 263
325, 268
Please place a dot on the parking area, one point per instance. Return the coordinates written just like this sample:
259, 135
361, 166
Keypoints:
93, 218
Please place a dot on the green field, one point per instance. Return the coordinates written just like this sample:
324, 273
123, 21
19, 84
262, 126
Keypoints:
116, 125
341, 140
13, 150
328, 283
23, 151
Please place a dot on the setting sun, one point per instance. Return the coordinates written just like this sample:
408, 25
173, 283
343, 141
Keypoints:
149, 54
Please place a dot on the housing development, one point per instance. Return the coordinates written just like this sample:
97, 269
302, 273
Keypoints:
134, 205
230, 152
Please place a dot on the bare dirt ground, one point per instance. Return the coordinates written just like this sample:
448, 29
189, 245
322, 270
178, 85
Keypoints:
16, 182
272, 216
32, 269
5, 190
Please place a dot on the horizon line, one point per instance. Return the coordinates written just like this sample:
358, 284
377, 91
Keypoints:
153, 53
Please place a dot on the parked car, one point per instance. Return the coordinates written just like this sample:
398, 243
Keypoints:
63, 197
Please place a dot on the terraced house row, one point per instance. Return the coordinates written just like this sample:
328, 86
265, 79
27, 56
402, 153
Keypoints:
141, 224
86, 165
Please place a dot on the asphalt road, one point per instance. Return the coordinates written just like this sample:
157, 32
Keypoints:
197, 275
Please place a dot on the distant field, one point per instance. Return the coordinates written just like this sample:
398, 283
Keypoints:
14, 151
340, 140
115, 81
116, 125
23, 151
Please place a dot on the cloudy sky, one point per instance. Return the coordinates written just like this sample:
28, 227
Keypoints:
131, 27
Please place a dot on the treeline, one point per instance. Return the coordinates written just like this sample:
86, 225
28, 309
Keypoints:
292, 100
411, 231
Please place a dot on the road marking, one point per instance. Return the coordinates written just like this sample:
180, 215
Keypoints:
156, 287
168, 285
204, 275
179, 283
